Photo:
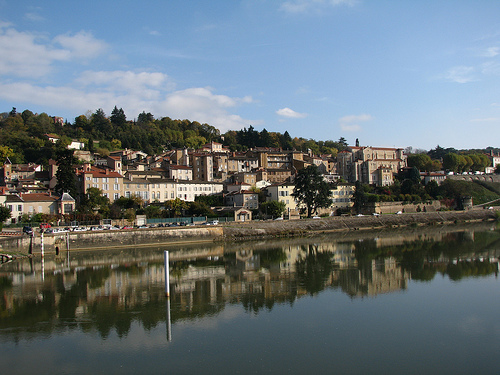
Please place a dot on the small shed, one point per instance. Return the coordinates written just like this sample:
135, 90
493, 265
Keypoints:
239, 213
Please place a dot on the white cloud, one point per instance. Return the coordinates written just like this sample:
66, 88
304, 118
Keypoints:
27, 54
81, 45
290, 113
302, 6
460, 74
351, 123
202, 105
146, 83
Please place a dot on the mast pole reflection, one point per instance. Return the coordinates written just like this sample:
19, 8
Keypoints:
167, 294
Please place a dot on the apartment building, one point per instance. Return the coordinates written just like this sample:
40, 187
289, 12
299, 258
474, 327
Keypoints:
108, 181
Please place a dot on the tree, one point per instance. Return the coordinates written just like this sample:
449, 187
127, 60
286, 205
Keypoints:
273, 208
65, 175
176, 206
118, 117
359, 197
93, 201
311, 190
452, 162
5, 152
4, 215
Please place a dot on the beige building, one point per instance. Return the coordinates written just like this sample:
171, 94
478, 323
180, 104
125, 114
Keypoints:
38, 203
108, 181
370, 165
282, 193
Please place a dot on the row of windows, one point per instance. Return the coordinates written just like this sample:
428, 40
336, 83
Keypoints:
103, 179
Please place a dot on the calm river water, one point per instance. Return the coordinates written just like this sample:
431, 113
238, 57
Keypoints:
392, 302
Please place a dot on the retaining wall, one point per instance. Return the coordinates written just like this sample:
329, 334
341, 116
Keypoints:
236, 231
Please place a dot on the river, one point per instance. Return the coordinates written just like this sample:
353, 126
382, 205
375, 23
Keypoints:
408, 301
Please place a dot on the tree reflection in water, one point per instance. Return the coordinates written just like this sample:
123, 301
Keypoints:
103, 298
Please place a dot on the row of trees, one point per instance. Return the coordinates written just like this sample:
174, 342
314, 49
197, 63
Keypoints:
24, 135
452, 161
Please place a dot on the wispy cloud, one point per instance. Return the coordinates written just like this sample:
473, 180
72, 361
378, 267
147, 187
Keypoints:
290, 113
461, 74
487, 119
303, 6
491, 52
351, 123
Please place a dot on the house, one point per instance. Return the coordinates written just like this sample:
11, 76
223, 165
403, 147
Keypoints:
439, 177
282, 193
244, 198
38, 203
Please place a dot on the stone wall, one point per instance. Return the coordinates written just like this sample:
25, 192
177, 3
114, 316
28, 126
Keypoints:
393, 207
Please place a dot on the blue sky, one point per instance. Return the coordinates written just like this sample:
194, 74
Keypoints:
391, 73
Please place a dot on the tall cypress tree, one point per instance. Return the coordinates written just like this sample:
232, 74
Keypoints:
66, 178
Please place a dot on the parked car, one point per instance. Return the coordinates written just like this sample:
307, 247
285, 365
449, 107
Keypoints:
27, 230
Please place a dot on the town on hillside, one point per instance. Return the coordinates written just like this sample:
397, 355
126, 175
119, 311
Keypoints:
258, 183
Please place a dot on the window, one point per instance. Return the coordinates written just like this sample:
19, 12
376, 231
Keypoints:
117, 196
10, 207
20, 207
40, 209
105, 186
116, 187
88, 178
68, 208
127, 194
94, 180
105, 179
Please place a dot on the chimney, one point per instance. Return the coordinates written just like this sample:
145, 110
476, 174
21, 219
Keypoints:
107, 171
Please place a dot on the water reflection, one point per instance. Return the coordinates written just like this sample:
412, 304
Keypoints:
107, 291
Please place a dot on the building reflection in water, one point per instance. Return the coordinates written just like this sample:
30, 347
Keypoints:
257, 275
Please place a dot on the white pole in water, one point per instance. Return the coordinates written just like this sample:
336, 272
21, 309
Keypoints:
67, 241
167, 275
41, 242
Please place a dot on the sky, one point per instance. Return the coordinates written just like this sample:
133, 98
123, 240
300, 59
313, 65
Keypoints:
389, 73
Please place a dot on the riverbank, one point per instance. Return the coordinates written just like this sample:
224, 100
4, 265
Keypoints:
236, 231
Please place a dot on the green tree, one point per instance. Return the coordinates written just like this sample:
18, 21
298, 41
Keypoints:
359, 197
118, 117
311, 190
94, 201
176, 206
452, 162
65, 175
4, 215
273, 208
5, 152
152, 211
